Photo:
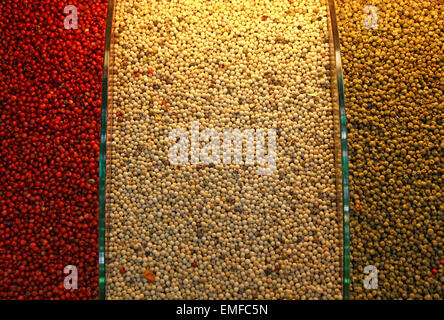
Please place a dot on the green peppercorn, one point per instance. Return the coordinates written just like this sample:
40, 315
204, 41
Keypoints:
392, 78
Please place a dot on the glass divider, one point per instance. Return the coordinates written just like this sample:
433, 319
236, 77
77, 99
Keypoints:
342, 150
103, 146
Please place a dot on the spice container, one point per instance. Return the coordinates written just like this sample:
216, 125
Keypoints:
49, 128
392, 53
187, 214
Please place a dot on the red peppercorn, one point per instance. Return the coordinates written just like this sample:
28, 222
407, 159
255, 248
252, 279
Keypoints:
434, 271
194, 264
150, 71
264, 17
122, 270
49, 145
137, 74
165, 104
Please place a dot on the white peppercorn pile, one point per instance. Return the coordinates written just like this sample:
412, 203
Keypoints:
222, 231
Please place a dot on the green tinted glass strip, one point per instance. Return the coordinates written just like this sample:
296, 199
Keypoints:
102, 157
344, 153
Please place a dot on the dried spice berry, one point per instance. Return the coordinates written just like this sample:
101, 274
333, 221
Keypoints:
167, 107
149, 276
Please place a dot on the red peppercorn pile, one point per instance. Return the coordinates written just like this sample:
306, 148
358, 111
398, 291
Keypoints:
50, 96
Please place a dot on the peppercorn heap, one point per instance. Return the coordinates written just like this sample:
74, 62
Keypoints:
393, 78
222, 231
50, 81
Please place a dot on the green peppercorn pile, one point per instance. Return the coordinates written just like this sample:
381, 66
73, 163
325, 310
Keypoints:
393, 89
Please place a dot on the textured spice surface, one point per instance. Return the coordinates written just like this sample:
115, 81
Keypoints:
222, 231
50, 81
394, 86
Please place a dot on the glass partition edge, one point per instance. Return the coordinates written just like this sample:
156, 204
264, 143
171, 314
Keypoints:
343, 150
102, 157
